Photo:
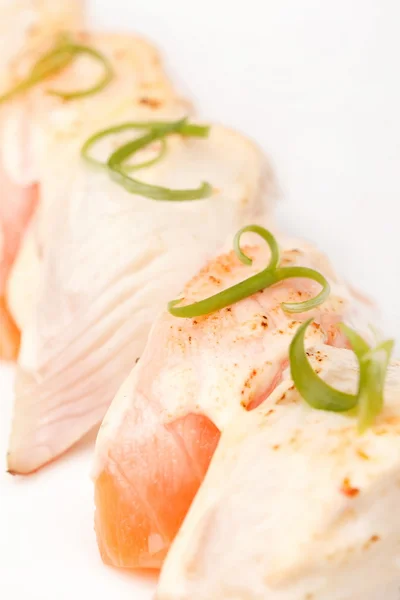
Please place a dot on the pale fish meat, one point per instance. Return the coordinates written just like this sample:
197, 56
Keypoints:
44, 135
108, 263
26, 27
296, 503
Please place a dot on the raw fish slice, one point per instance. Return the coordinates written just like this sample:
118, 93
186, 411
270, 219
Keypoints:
42, 135
296, 504
150, 519
110, 262
206, 370
26, 26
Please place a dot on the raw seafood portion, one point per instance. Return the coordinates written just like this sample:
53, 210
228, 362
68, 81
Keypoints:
108, 263
26, 27
310, 504
194, 377
42, 134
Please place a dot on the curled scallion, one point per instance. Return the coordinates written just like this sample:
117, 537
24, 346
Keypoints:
184, 128
55, 60
312, 388
79, 50
271, 275
266, 235
158, 192
373, 366
48, 65
373, 363
118, 171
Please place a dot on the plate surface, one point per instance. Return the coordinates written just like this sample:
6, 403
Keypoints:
316, 84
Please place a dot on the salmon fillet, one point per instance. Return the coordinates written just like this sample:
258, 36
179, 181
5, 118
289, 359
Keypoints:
194, 377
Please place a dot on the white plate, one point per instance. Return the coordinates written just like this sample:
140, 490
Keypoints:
48, 547
316, 83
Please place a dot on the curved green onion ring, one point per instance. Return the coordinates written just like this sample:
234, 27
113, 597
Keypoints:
48, 65
118, 172
124, 152
266, 235
316, 392
186, 129
299, 307
52, 61
373, 366
269, 276
158, 192
79, 49
151, 161
55, 60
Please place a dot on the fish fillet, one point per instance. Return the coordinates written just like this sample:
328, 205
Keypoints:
107, 263
194, 377
26, 26
57, 129
42, 134
296, 504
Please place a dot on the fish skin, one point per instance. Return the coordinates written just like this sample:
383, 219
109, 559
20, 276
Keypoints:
219, 366
108, 266
296, 504
26, 27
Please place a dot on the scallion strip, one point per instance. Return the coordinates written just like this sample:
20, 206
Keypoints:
317, 393
48, 65
256, 283
155, 192
304, 272
373, 366
185, 129
78, 50
124, 152
128, 168
266, 235
54, 61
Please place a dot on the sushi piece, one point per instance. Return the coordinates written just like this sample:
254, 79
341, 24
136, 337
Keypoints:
43, 133
26, 27
194, 377
107, 261
296, 504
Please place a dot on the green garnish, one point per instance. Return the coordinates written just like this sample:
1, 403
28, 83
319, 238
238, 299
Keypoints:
48, 65
373, 363
54, 61
158, 192
79, 50
158, 131
185, 129
373, 366
269, 276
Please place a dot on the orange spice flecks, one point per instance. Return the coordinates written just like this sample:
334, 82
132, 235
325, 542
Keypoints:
348, 490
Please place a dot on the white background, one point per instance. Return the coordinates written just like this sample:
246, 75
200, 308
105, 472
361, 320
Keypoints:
316, 83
